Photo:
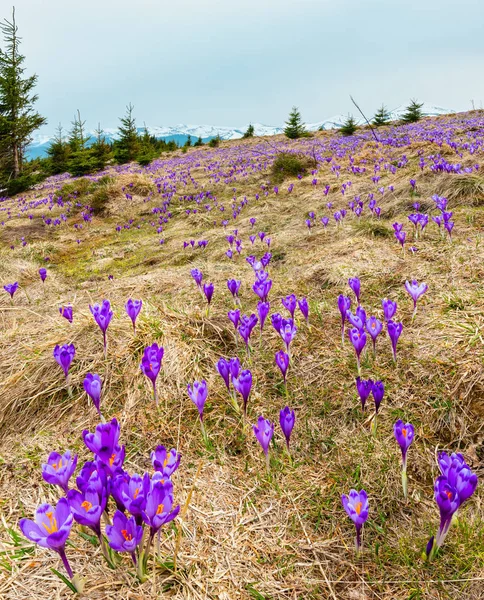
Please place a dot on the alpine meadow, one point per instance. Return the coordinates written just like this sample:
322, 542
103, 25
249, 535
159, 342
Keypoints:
240, 363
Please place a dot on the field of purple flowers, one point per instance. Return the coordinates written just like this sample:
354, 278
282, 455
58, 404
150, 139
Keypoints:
251, 371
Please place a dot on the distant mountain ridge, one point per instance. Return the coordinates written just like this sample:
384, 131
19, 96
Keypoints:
179, 133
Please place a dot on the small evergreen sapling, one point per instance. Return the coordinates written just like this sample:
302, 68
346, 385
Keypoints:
250, 132
349, 126
413, 112
127, 145
294, 125
382, 116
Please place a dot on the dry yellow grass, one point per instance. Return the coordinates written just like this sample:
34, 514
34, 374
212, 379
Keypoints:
246, 534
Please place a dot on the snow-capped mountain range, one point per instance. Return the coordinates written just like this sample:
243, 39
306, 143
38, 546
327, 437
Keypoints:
180, 133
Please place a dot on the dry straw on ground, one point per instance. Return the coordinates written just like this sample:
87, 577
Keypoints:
246, 534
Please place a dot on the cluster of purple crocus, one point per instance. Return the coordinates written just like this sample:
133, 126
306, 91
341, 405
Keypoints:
361, 325
134, 507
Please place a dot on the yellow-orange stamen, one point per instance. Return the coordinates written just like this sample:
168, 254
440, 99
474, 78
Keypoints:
112, 459
127, 536
52, 527
358, 507
136, 492
160, 509
86, 505
404, 432
57, 465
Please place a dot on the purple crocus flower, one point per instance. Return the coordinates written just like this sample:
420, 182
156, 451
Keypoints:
364, 388
304, 308
164, 461
404, 434
355, 285
358, 339
452, 488
104, 443
87, 508
356, 507
124, 535
344, 304
159, 505
102, 315
247, 324
151, 365
282, 361
401, 237
378, 391
358, 319
287, 331
223, 367
133, 308
263, 309
64, 355
389, 308
198, 393
197, 277
133, 494
93, 474
415, 290
264, 430
50, 529
43, 274
262, 288
59, 468
374, 328
394, 332
243, 384
234, 287
287, 419
66, 312
290, 303
11, 288
234, 316
92, 386
208, 291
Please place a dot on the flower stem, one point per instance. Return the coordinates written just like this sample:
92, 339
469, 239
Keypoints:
67, 566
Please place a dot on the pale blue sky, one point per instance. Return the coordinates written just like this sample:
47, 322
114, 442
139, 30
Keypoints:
230, 62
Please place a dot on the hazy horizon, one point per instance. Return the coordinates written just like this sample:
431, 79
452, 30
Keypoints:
251, 63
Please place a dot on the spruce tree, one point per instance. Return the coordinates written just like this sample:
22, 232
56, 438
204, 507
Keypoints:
199, 142
148, 148
188, 143
58, 152
382, 116
126, 146
250, 131
294, 125
80, 159
18, 120
101, 151
349, 126
413, 112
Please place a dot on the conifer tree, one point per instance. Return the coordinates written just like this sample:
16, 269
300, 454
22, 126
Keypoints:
188, 143
413, 112
126, 146
294, 125
80, 159
148, 148
101, 151
250, 131
349, 126
18, 120
58, 152
382, 116
199, 142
